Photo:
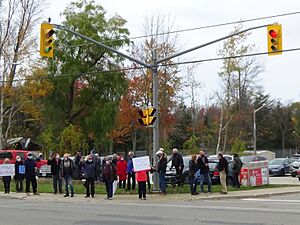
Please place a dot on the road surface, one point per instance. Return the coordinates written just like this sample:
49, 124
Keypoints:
282, 210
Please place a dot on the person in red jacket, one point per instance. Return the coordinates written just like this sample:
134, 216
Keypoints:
121, 168
141, 178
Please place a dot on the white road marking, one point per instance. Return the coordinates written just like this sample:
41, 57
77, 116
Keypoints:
271, 200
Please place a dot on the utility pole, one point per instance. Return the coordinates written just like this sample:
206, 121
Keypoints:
155, 87
254, 127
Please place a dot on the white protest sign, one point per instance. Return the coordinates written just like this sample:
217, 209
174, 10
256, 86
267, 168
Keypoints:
141, 163
7, 170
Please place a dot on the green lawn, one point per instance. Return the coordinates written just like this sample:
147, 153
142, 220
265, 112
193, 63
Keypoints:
45, 186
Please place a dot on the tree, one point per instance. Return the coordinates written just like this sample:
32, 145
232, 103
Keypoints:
88, 81
240, 81
18, 17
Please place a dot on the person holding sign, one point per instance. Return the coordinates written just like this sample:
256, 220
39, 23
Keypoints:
6, 179
19, 174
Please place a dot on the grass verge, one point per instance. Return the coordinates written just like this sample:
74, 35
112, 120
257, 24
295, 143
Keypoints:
45, 186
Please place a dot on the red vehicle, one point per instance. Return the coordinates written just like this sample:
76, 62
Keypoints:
43, 168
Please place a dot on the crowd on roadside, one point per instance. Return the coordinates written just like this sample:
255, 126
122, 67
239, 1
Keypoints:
116, 170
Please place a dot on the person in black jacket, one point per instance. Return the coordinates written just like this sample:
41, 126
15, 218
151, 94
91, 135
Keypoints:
55, 164
177, 162
19, 174
223, 171
204, 172
90, 170
67, 166
193, 168
109, 176
161, 169
30, 168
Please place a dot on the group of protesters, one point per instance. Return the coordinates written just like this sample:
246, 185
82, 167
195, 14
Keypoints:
23, 170
115, 169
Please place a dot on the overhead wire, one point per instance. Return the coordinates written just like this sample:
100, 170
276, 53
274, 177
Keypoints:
142, 67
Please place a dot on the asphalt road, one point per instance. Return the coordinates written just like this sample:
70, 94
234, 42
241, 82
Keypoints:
282, 210
285, 180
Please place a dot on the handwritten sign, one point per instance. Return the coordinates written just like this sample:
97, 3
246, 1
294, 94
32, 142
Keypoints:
141, 163
7, 170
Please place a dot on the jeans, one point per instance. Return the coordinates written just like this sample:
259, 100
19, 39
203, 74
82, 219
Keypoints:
19, 184
57, 180
142, 189
6, 182
193, 184
206, 177
162, 182
109, 189
90, 186
68, 181
131, 176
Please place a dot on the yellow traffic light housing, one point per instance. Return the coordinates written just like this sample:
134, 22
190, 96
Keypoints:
147, 116
46, 40
274, 39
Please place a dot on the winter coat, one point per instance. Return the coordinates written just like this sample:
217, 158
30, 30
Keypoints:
30, 166
141, 176
177, 161
193, 168
237, 165
223, 165
55, 166
89, 169
109, 172
162, 164
19, 176
201, 162
67, 167
122, 169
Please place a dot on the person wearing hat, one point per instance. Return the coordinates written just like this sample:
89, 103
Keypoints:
19, 174
161, 169
30, 168
90, 169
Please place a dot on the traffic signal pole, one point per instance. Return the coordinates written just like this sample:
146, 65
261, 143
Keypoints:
154, 67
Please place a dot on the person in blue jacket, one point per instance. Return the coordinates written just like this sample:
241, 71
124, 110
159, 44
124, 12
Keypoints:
130, 172
30, 168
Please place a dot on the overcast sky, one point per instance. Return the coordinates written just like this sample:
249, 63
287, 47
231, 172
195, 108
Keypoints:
281, 78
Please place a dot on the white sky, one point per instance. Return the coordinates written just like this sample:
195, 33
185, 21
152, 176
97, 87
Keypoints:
281, 77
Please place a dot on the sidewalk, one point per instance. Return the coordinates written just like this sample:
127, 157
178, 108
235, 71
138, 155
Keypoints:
158, 198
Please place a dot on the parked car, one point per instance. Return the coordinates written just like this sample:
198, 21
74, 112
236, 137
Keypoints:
252, 158
279, 166
43, 168
214, 172
295, 166
171, 177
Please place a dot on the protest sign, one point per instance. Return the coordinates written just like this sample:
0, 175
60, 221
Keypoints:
141, 163
7, 170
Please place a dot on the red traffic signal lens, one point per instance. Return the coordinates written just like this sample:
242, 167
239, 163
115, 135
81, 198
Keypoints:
273, 33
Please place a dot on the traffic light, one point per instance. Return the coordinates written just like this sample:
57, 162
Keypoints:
46, 40
147, 116
274, 39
